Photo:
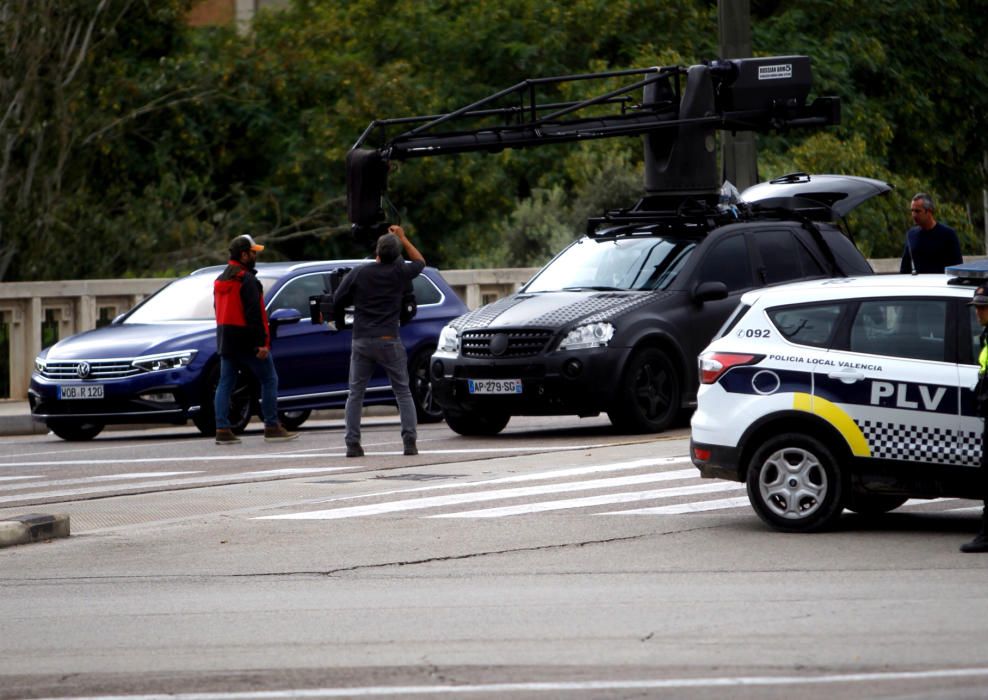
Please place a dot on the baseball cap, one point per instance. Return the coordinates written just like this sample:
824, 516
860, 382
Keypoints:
980, 297
242, 244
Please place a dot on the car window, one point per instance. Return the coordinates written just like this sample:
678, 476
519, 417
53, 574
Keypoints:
295, 294
425, 291
186, 299
975, 334
810, 324
912, 328
727, 261
784, 257
646, 262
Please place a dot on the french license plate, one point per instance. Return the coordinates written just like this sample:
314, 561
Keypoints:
81, 391
494, 386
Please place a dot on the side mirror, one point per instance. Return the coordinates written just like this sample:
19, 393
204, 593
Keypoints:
709, 291
281, 317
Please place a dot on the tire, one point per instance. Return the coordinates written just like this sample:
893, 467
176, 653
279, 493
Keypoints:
292, 420
476, 423
241, 404
75, 430
873, 503
795, 485
650, 395
420, 381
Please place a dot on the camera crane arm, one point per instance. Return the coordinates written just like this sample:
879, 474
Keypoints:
763, 94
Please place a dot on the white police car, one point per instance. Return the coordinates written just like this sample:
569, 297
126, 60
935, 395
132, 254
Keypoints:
843, 393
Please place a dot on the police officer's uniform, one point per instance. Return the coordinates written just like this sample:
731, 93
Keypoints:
980, 542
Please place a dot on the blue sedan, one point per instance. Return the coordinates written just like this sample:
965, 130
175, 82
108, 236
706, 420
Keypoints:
157, 363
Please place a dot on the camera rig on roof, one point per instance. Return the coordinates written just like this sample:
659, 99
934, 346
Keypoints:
679, 111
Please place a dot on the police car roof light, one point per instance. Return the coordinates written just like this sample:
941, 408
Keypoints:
969, 273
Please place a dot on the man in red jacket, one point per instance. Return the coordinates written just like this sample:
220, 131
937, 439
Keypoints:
243, 341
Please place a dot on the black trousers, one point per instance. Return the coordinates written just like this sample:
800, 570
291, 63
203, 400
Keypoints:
983, 476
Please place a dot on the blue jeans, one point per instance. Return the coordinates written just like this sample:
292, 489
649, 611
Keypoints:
266, 375
365, 353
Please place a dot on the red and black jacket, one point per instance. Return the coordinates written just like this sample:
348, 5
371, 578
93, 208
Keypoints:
241, 319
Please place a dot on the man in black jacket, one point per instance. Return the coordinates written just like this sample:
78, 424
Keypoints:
375, 291
930, 245
243, 340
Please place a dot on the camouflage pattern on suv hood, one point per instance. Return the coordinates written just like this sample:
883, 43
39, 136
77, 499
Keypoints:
554, 309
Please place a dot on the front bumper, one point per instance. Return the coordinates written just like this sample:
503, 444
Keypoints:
581, 382
121, 402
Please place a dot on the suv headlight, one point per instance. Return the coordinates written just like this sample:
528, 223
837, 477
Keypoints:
169, 360
449, 340
40, 364
589, 335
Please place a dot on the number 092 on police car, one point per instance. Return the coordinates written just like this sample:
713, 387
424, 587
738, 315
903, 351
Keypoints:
494, 386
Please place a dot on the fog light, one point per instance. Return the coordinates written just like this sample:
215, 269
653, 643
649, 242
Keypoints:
159, 397
572, 368
438, 369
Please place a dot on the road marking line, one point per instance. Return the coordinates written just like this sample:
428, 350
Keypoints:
556, 686
17, 478
145, 486
694, 507
570, 503
293, 470
89, 479
240, 456
495, 495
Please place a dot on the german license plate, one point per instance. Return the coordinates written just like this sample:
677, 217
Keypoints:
494, 386
81, 391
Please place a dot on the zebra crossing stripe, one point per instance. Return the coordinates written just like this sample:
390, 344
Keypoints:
517, 478
480, 496
589, 501
694, 507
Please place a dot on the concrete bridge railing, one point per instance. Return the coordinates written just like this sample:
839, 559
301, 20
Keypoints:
33, 311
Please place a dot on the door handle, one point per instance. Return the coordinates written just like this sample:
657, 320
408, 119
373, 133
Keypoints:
848, 376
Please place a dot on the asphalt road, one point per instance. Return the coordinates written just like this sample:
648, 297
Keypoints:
558, 559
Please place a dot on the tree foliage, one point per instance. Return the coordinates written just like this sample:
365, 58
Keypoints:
133, 144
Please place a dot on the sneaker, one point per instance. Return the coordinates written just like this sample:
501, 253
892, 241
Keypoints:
410, 448
977, 545
225, 436
354, 450
277, 433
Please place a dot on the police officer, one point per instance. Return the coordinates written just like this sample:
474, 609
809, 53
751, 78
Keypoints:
980, 304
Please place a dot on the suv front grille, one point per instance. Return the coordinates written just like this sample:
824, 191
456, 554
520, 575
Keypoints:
489, 344
98, 369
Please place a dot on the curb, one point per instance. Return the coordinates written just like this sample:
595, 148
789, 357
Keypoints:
33, 527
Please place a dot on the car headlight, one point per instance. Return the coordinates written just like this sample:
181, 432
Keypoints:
40, 364
589, 335
449, 340
169, 360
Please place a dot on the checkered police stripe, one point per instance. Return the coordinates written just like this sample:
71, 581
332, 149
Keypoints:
921, 444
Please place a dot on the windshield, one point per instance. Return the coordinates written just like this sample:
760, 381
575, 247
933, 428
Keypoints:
185, 299
628, 263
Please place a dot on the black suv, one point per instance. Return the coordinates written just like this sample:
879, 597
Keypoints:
615, 321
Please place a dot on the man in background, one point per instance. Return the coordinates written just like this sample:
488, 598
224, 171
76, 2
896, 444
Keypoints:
930, 246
